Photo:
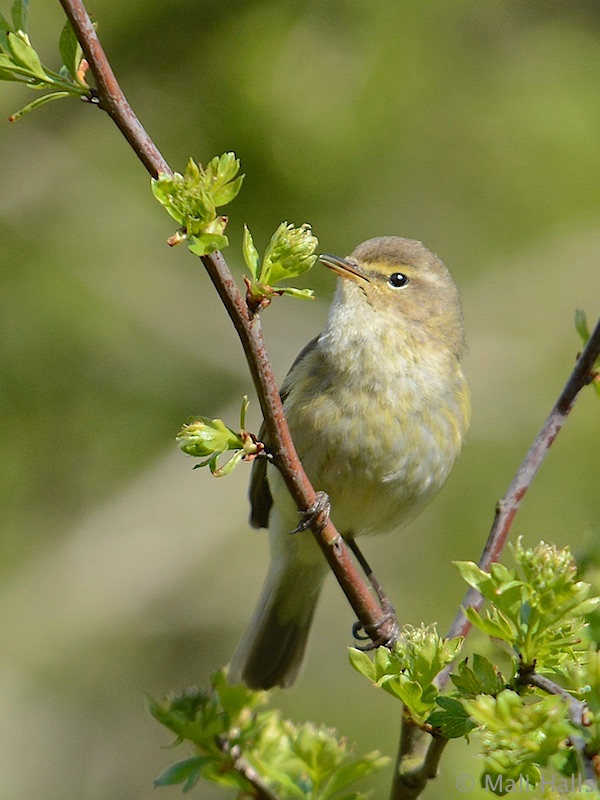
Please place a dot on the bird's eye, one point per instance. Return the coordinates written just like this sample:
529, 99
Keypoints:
397, 280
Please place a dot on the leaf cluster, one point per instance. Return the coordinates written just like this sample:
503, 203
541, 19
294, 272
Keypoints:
192, 199
235, 738
290, 253
519, 736
407, 671
20, 62
537, 608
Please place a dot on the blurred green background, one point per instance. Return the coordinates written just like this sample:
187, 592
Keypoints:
471, 126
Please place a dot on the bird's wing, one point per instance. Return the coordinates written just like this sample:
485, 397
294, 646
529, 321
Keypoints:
259, 492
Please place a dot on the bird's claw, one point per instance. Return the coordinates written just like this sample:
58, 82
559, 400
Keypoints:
378, 633
318, 513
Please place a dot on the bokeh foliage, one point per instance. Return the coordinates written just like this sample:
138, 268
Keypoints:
471, 126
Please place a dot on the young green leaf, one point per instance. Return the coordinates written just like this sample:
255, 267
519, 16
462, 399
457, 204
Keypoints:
581, 326
482, 679
4, 30
25, 55
207, 243
250, 254
188, 772
70, 50
19, 13
453, 721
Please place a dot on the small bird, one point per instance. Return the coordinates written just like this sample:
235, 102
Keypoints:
377, 406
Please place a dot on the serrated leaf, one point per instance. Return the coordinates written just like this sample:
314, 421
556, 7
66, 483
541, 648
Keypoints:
490, 682
70, 51
465, 681
19, 13
39, 101
453, 721
26, 56
226, 193
499, 628
187, 771
411, 694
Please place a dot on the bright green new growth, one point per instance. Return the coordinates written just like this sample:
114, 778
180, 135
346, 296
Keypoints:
192, 200
538, 609
408, 670
583, 681
290, 252
519, 736
210, 438
20, 62
234, 737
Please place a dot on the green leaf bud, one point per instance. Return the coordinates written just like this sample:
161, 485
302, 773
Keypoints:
290, 252
207, 437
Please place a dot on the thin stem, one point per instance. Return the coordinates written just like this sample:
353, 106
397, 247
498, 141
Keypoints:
579, 715
413, 768
577, 708
260, 790
511, 502
247, 325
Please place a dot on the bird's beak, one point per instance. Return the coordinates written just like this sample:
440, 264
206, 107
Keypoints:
343, 268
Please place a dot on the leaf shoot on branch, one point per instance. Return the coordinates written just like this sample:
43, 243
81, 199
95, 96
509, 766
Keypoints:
192, 200
210, 438
20, 62
290, 253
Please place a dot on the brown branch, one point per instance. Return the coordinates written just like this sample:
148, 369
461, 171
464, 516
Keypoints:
111, 98
247, 325
511, 502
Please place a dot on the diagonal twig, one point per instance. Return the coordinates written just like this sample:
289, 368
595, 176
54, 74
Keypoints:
511, 502
579, 714
247, 325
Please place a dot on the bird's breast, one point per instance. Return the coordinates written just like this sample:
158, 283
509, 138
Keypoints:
379, 441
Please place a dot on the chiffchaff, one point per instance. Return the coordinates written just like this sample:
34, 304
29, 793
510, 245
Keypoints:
377, 406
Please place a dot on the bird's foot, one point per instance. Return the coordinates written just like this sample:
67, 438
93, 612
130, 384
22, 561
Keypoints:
317, 513
384, 632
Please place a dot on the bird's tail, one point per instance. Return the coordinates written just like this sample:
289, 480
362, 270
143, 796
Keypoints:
271, 651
